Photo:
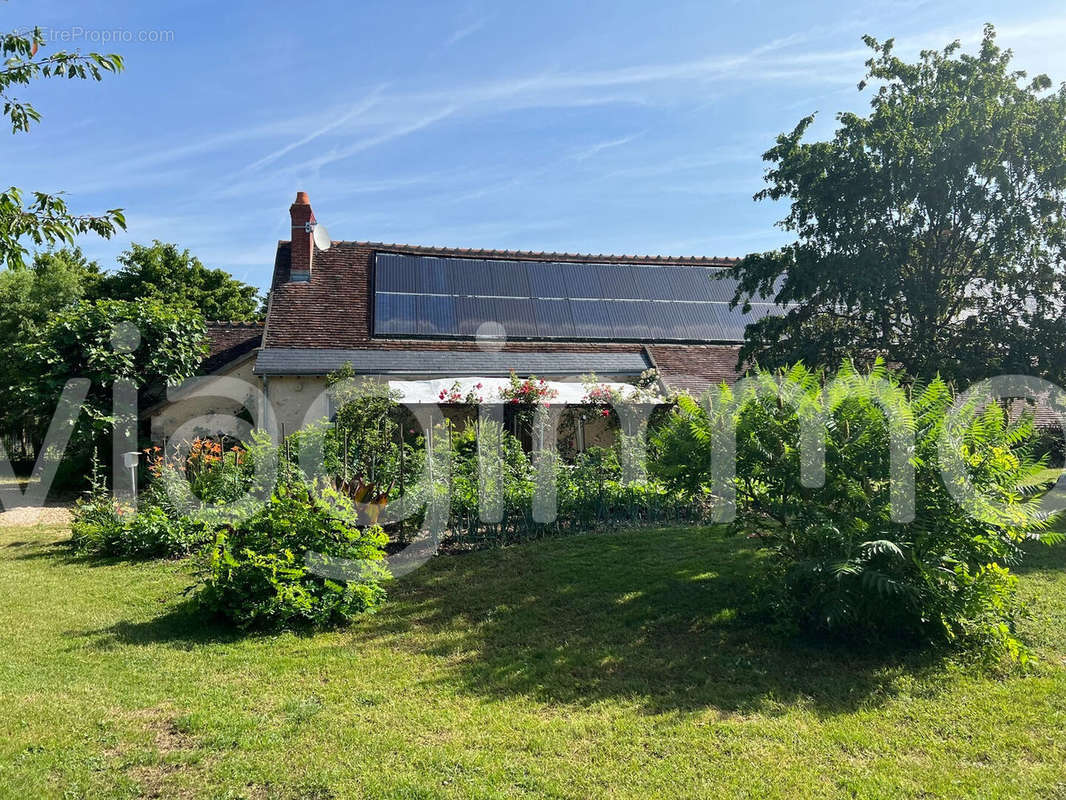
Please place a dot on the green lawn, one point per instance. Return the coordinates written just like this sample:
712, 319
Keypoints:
592, 666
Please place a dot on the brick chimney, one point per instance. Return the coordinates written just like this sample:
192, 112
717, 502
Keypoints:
303, 241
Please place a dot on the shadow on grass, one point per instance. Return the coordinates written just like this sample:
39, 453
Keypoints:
184, 626
1041, 557
63, 551
656, 617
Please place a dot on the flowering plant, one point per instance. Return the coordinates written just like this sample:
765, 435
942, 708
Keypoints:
604, 398
531, 391
204, 454
454, 394
601, 397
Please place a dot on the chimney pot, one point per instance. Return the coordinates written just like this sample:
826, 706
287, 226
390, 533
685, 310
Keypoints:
302, 199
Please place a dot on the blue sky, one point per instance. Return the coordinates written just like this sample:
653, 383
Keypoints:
612, 127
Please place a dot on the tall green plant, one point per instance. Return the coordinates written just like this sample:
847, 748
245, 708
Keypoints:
301, 561
845, 562
368, 426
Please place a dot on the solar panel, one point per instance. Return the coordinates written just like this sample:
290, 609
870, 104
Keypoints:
628, 318
554, 320
619, 282
435, 315
591, 320
452, 297
546, 279
394, 275
470, 313
393, 313
516, 316
581, 281
665, 321
510, 279
468, 276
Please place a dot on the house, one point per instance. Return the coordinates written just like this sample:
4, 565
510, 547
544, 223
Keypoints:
426, 316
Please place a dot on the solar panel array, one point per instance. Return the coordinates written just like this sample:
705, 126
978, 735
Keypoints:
449, 297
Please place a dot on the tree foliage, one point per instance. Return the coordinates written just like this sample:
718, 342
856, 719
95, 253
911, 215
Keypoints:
30, 297
930, 232
40, 217
81, 341
165, 272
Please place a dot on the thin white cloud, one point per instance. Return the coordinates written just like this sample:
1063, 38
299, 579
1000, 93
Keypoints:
692, 162
811, 64
396, 132
359, 108
595, 149
465, 31
382, 117
400, 114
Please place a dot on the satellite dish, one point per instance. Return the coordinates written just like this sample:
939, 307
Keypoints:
321, 235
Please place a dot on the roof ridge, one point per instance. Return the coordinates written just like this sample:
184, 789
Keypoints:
535, 254
235, 323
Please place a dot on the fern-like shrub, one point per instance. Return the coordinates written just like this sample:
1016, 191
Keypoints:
843, 562
299, 562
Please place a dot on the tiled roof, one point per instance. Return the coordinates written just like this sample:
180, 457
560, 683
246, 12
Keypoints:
449, 363
332, 310
229, 341
695, 368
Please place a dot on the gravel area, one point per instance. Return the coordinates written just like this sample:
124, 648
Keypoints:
36, 515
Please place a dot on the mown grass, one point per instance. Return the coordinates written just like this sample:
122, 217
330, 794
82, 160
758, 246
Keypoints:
607, 665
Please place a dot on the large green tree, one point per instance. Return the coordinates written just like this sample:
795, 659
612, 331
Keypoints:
147, 342
930, 231
43, 218
29, 299
166, 345
167, 272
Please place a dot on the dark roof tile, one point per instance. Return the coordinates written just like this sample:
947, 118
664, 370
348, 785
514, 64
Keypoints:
229, 341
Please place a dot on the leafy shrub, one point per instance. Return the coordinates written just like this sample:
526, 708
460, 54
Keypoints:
77, 341
164, 524
299, 562
105, 526
844, 564
370, 426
